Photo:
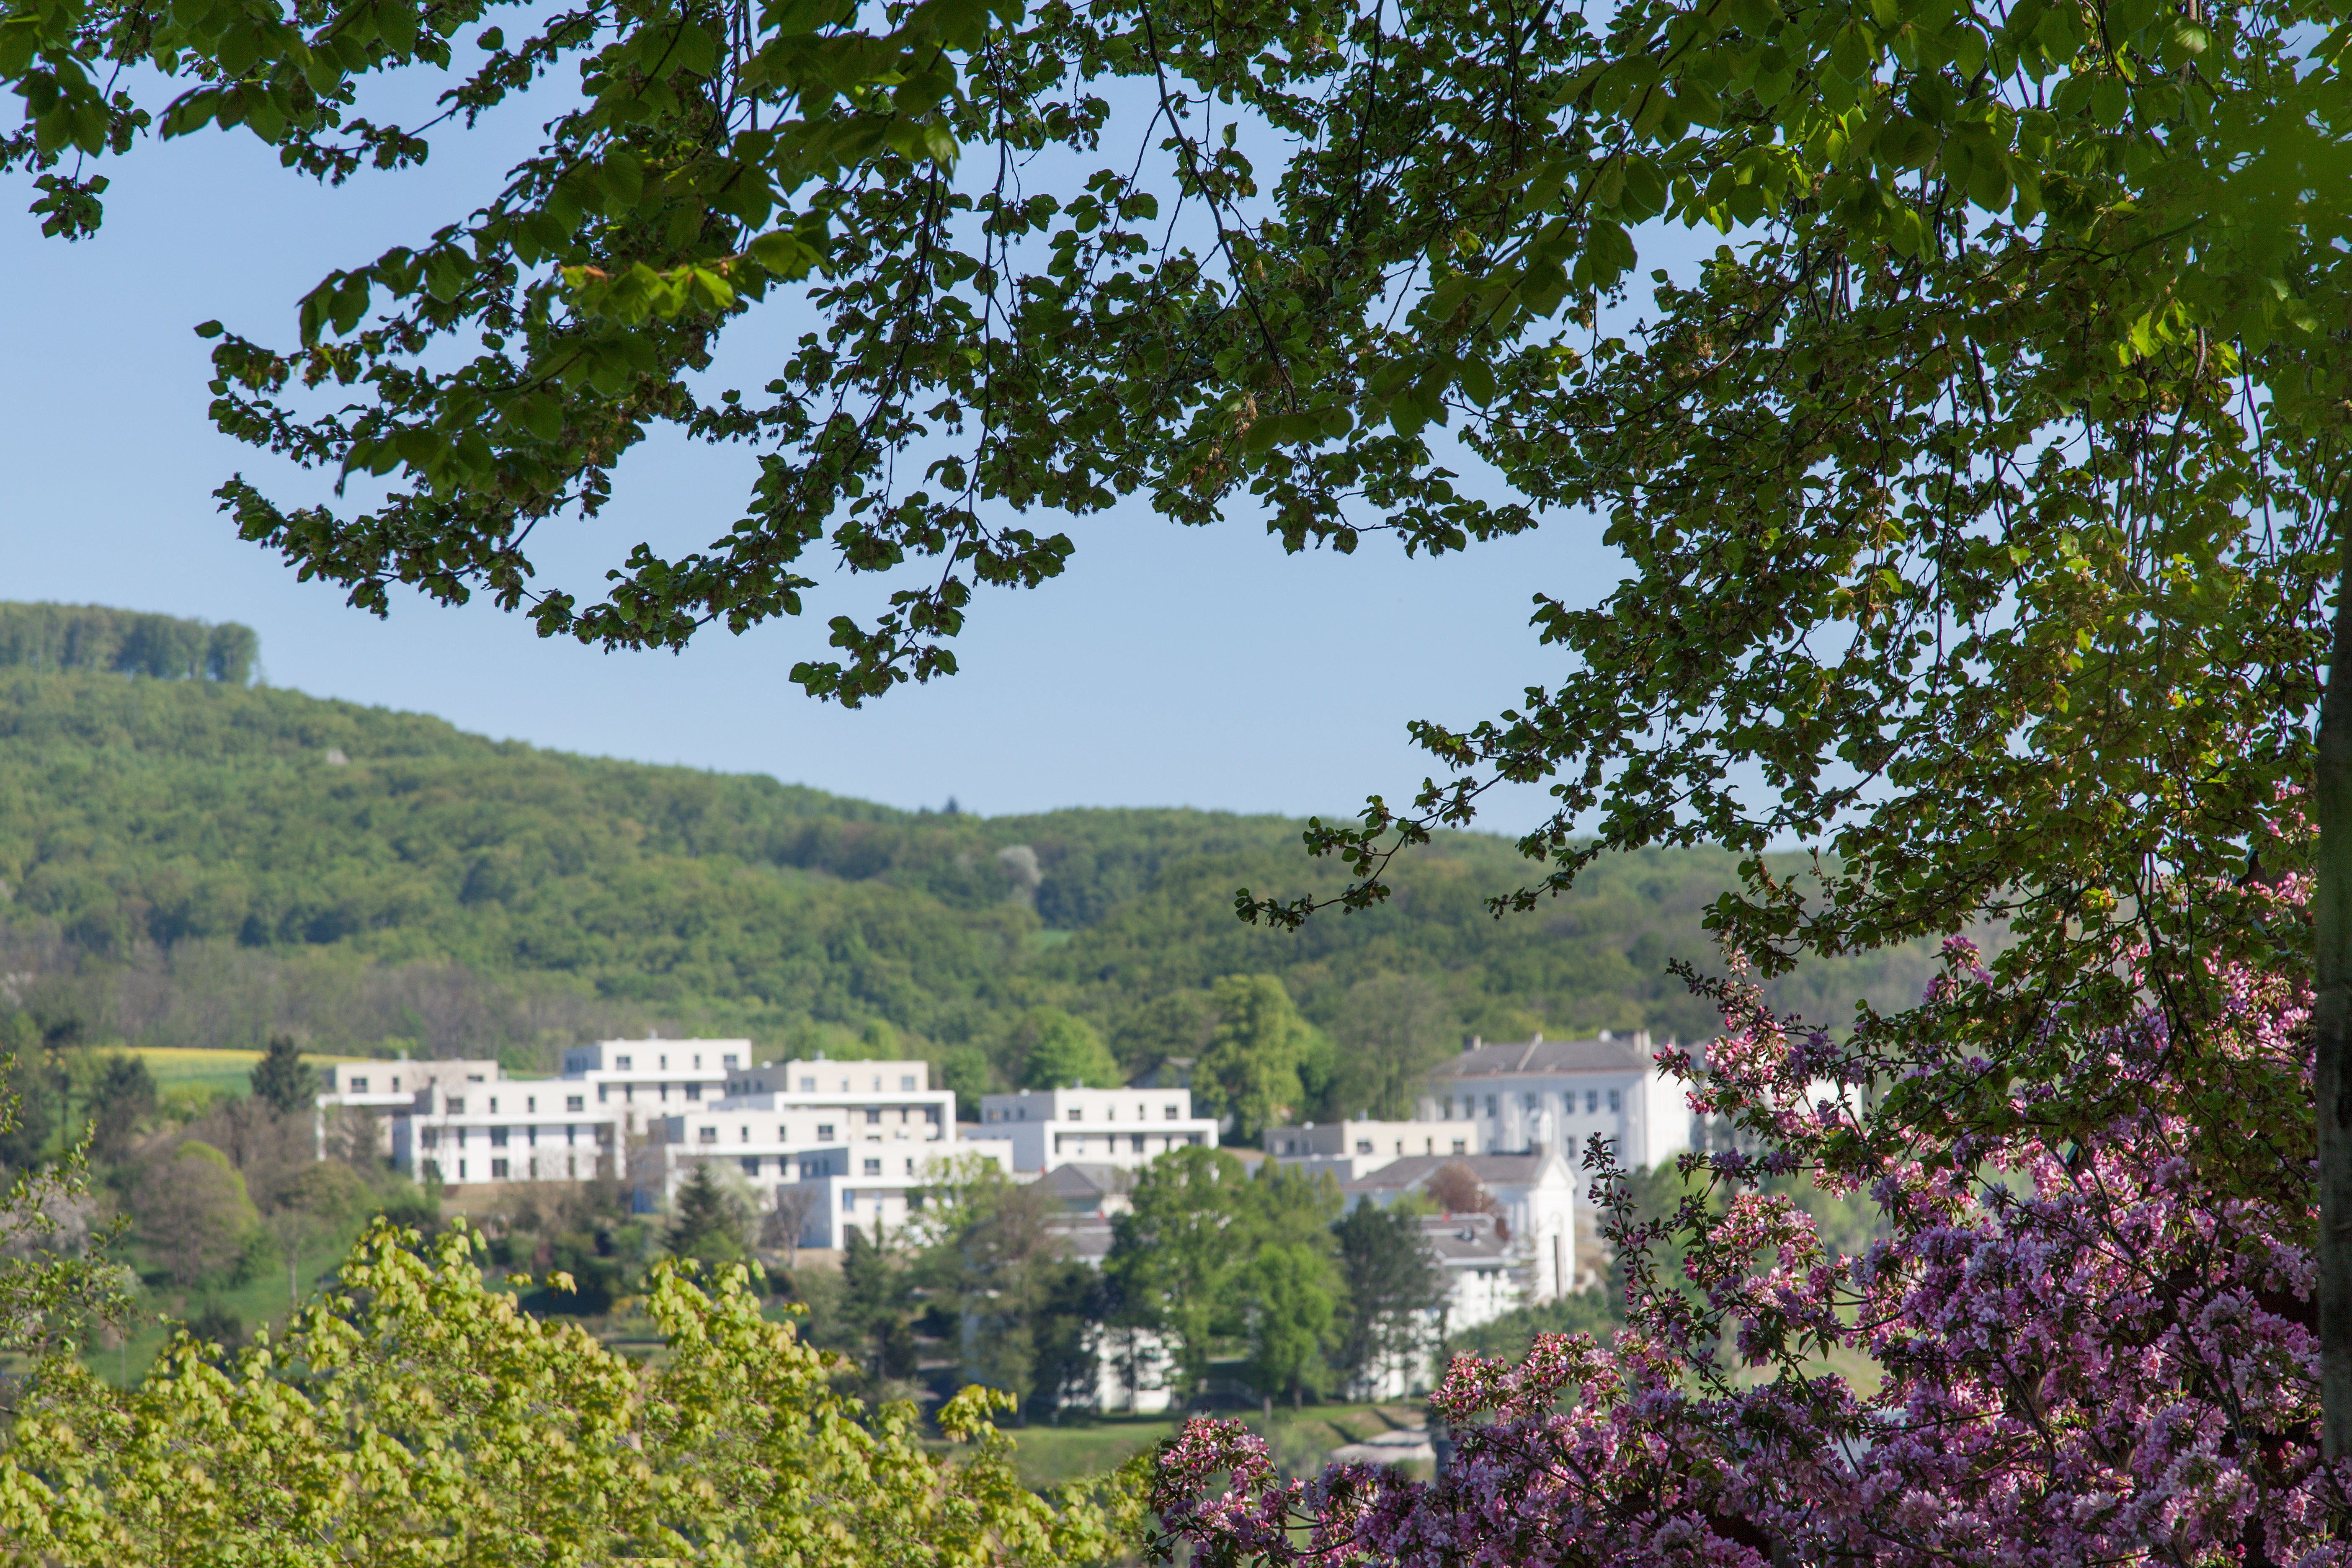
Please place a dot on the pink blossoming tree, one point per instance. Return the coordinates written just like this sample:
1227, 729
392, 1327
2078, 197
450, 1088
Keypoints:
2089, 1322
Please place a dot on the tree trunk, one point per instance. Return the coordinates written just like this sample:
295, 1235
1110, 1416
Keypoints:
2331, 1022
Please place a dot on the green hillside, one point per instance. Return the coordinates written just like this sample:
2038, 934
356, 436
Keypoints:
199, 862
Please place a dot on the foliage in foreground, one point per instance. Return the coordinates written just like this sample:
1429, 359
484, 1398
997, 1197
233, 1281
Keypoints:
2093, 1309
414, 1415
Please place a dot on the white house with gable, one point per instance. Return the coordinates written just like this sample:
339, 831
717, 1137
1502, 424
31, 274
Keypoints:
1557, 1094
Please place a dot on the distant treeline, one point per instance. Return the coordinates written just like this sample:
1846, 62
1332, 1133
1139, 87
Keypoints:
91, 636
202, 863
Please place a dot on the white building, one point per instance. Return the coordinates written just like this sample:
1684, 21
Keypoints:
1484, 1277
382, 1090
850, 1186
1352, 1148
506, 1129
641, 1081
1555, 1095
766, 1118
1130, 1127
1536, 1195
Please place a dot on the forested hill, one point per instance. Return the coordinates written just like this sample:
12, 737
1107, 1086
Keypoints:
203, 862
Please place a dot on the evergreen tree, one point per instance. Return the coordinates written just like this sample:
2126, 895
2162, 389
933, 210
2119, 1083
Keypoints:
1391, 1280
282, 1079
710, 1223
123, 1096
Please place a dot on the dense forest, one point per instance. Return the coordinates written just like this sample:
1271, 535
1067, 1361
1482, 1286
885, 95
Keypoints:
202, 861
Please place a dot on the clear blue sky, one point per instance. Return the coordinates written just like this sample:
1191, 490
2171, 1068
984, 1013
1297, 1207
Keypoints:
1168, 667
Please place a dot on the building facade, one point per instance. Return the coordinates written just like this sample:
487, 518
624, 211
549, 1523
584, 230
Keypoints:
885, 1116
1130, 1127
1535, 1192
1557, 1095
1352, 1148
507, 1130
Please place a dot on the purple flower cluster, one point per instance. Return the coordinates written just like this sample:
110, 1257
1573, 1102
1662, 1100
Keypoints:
2078, 1341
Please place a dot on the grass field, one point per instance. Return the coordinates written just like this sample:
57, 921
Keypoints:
179, 1070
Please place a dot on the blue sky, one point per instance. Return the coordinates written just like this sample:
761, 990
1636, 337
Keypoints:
1168, 666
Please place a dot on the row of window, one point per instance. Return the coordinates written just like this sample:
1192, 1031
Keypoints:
601, 1133
455, 1104
571, 1168
1533, 1101
1077, 1114
825, 1129
628, 1064
1076, 1142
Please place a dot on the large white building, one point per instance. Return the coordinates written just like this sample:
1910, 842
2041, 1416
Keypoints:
641, 1081
505, 1130
1556, 1095
1130, 1127
885, 1116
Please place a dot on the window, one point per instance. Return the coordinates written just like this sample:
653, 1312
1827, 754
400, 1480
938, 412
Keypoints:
873, 1118
694, 1092
1194, 1139
906, 1080
784, 1133
727, 1061
1591, 1101
359, 1086
461, 1137
622, 1063
431, 1137
575, 1102
751, 1165
494, 1105
746, 1130
873, 1167
910, 1167
1530, 1101
991, 1114
663, 1063
432, 1170
1135, 1141
1173, 1114
1616, 1100
932, 1115
1490, 1105
457, 1108
530, 1104
697, 1059
461, 1170
1075, 1113
710, 1135
848, 1200
1364, 1146
1457, 1146
808, 1086
530, 1136
498, 1170
825, 1132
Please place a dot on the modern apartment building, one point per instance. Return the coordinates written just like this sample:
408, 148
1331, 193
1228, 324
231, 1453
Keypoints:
886, 1115
641, 1081
506, 1129
1130, 1127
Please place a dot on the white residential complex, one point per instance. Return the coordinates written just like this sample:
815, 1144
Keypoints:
1557, 1094
1128, 1126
